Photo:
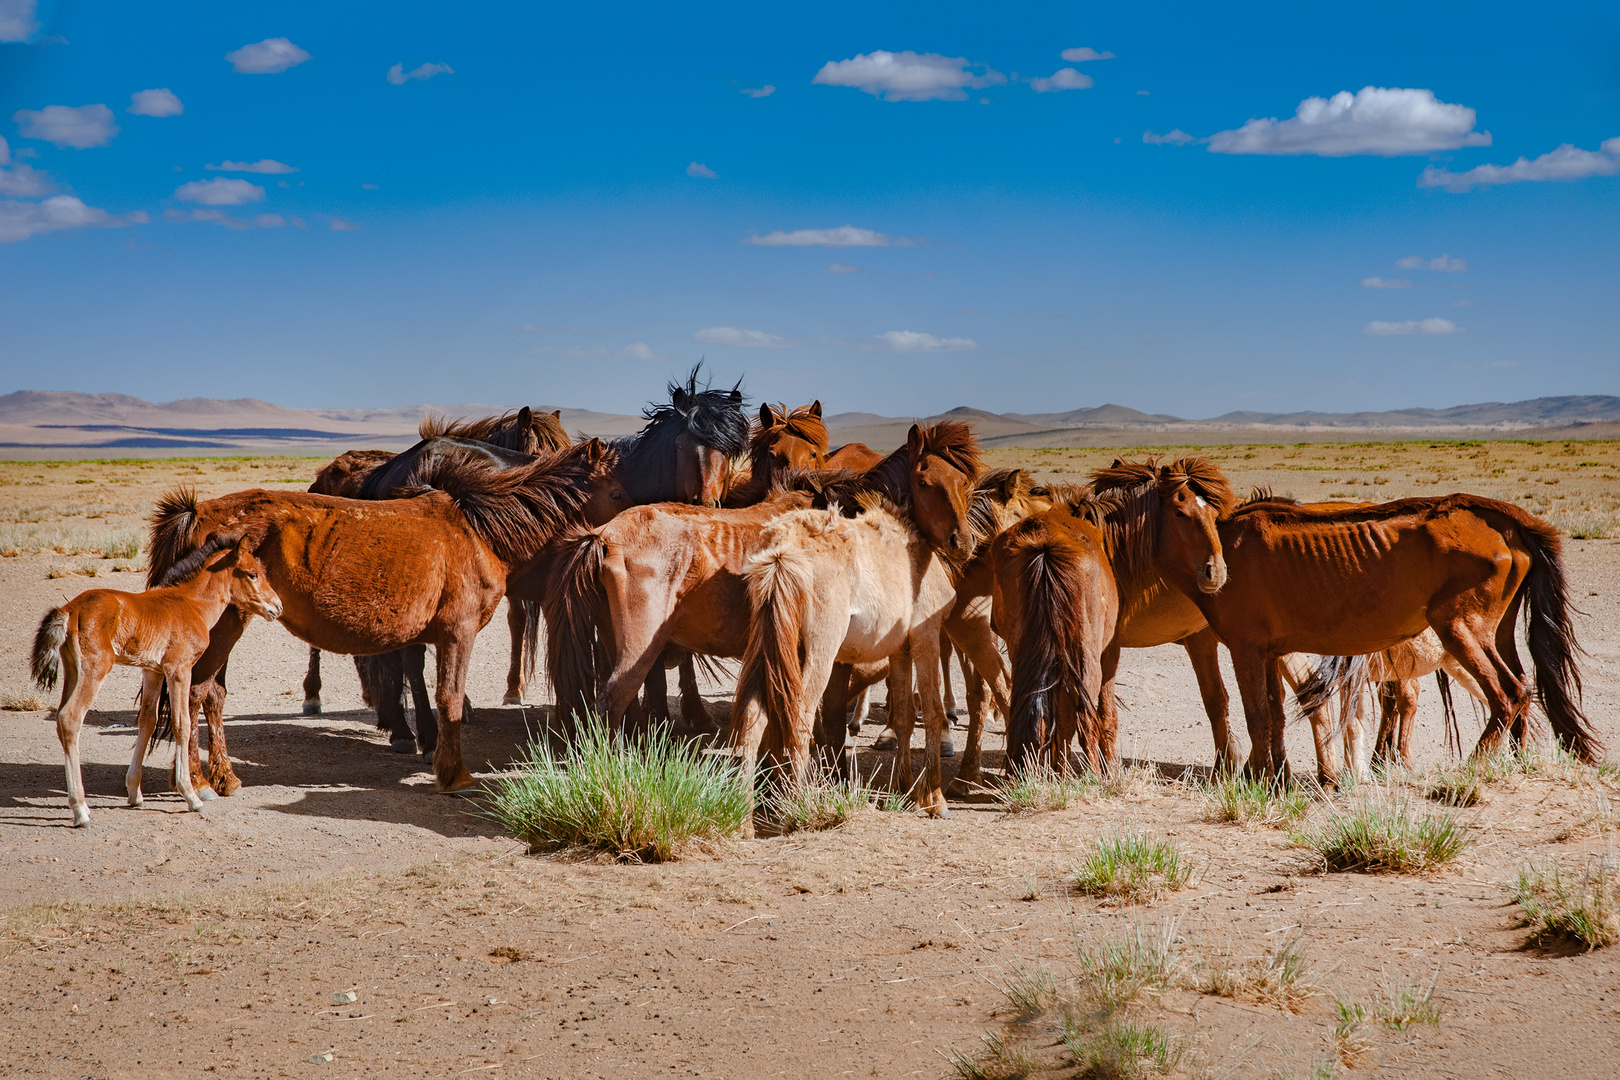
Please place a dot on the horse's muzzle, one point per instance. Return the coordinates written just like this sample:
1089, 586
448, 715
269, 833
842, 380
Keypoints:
1212, 575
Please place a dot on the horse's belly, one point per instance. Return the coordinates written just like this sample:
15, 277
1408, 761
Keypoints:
870, 637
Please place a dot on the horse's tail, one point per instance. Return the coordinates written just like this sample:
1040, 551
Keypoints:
1048, 575
1553, 648
170, 540
780, 581
48, 642
1442, 682
531, 638
575, 605
1346, 675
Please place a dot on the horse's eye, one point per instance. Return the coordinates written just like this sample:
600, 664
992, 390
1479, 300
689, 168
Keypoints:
252, 576
618, 496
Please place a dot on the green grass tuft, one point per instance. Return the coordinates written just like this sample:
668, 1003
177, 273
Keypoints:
1255, 801
1123, 1049
639, 798
1385, 834
1116, 969
1560, 907
1039, 787
815, 804
1133, 868
1281, 977
1406, 1005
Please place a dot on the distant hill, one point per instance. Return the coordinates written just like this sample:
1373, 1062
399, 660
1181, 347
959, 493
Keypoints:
40, 423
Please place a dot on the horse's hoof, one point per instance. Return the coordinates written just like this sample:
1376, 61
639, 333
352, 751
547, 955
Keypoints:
227, 786
959, 788
403, 746
886, 741
427, 754
947, 747
312, 708
206, 794
81, 817
940, 810
509, 700
462, 782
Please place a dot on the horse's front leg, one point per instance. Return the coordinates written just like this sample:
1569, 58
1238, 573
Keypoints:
427, 725
925, 657
184, 733
454, 654
1203, 653
902, 716
834, 730
694, 714
1279, 716
517, 618
312, 684
1249, 666
219, 776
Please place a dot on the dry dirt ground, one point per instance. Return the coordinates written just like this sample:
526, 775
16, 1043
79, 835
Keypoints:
162, 943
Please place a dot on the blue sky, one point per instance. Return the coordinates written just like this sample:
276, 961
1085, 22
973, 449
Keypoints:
538, 203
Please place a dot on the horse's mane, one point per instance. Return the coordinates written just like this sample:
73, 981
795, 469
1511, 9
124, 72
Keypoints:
169, 540
1199, 473
517, 511
1126, 501
950, 440
713, 418
801, 423
191, 564
505, 430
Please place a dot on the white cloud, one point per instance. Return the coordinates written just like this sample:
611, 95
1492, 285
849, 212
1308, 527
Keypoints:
699, 169
339, 225
159, 102
21, 180
1084, 53
264, 165
638, 350
1144, 93
1568, 162
1063, 79
759, 91
80, 128
1374, 120
1411, 326
907, 76
1385, 283
910, 341
840, 268
212, 217
843, 236
1444, 263
268, 57
399, 76
219, 192
742, 339
20, 220
17, 22
269, 221
370, 187
1174, 137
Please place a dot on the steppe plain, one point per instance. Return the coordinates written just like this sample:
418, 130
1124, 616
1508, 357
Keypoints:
160, 943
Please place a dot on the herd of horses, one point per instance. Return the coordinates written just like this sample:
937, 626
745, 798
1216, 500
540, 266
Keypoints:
712, 534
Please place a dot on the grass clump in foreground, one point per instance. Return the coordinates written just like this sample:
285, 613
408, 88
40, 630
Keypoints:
1252, 800
1040, 787
1280, 978
1114, 970
1125, 1049
1560, 907
1133, 868
816, 803
23, 700
1385, 834
639, 798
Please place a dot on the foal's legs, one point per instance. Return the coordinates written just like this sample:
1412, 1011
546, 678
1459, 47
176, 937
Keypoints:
84, 675
454, 656
1206, 663
184, 729
145, 725
312, 685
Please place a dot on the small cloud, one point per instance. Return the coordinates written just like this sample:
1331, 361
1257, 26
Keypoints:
638, 350
339, 225
1063, 79
840, 268
741, 339
1144, 93
843, 236
540, 328
760, 91
219, 192
399, 76
699, 169
1443, 263
160, 102
1385, 283
912, 341
1385, 122
17, 22
370, 187
1084, 53
23, 181
1568, 162
212, 217
1411, 326
907, 76
269, 221
20, 220
1174, 137
1464, 302
70, 128
265, 165
268, 57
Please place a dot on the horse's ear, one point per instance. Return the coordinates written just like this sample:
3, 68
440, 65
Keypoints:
815, 408
736, 396
914, 442
1118, 462
594, 450
556, 414
1017, 484
766, 417
525, 416
678, 399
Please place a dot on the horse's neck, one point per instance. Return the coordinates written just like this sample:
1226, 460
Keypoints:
210, 593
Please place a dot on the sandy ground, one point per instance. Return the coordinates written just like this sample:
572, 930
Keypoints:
159, 943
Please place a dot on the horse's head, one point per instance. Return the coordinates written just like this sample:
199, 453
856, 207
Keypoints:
250, 589
606, 495
543, 430
1193, 497
1004, 497
789, 439
709, 431
944, 466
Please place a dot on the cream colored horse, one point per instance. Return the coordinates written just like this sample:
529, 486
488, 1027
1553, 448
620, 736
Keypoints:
825, 589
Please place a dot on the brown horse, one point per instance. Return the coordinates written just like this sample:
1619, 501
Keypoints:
163, 631
661, 575
449, 553
686, 450
1148, 516
854, 457
526, 430
1344, 582
784, 440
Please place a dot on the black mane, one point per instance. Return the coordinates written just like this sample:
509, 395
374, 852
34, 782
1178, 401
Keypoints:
713, 418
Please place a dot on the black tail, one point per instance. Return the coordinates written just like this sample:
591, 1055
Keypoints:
1553, 648
1333, 675
1453, 735
575, 606
47, 659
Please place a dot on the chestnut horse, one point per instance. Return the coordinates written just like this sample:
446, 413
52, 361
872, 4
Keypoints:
1146, 517
448, 554
163, 631
1344, 582
661, 575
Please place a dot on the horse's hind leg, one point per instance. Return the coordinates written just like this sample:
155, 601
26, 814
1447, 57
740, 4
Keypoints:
1206, 664
694, 714
83, 678
516, 623
145, 726
1474, 651
388, 690
1401, 696
312, 684
902, 716
1507, 650
427, 725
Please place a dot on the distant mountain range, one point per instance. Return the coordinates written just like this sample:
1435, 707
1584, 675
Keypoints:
39, 423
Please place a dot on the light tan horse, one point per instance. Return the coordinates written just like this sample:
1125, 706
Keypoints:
825, 589
161, 631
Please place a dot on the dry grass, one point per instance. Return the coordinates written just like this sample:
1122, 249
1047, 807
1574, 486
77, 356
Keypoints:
23, 700
1281, 977
1561, 907
1382, 833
